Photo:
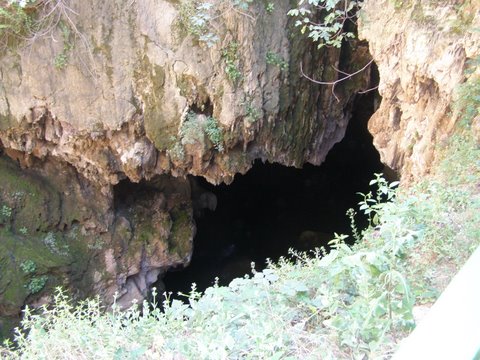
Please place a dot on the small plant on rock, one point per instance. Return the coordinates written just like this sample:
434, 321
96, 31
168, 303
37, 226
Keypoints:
28, 267
230, 56
275, 59
37, 284
61, 59
214, 133
6, 211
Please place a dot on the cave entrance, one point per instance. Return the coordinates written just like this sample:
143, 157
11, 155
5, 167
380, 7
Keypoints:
272, 208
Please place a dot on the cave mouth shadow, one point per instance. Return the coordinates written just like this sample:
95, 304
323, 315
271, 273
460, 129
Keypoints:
273, 208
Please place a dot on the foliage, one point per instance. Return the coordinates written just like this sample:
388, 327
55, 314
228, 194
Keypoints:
5, 212
193, 131
61, 59
371, 205
28, 267
198, 17
54, 245
324, 20
15, 21
36, 284
276, 59
251, 112
214, 133
230, 56
269, 7
195, 17
468, 97
30, 20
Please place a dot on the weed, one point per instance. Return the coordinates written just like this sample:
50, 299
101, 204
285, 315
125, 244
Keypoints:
51, 242
28, 267
275, 59
191, 130
251, 112
31, 20
36, 284
6, 212
372, 205
269, 7
61, 59
214, 133
230, 56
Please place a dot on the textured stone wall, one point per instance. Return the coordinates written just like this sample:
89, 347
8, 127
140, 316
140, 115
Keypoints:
133, 102
421, 49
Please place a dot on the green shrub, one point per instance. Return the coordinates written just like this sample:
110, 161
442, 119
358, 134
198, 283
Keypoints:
28, 267
36, 284
191, 130
194, 19
214, 133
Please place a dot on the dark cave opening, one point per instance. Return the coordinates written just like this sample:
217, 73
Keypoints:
273, 208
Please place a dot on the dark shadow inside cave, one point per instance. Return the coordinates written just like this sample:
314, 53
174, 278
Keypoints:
272, 208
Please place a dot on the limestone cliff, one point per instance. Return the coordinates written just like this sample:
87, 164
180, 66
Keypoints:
421, 49
119, 93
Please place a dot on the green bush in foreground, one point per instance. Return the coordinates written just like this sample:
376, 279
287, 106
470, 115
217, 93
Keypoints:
352, 302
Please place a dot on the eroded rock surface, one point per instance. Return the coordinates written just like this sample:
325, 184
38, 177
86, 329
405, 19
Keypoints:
57, 228
421, 49
135, 105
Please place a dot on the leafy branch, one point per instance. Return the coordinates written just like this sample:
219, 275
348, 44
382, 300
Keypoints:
199, 18
329, 29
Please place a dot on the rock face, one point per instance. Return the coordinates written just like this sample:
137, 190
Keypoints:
118, 105
108, 118
57, 228
421, 56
